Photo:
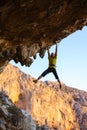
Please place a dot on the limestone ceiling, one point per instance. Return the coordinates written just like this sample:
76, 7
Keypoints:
30, 26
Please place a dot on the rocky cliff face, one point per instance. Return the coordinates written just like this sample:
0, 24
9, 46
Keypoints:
49, 106
30, 26
12, 118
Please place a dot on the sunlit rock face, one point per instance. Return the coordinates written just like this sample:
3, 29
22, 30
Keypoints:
64, 109
30, 26
12, 118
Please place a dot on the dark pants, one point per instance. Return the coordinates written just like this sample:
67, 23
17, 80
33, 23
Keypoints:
49, 70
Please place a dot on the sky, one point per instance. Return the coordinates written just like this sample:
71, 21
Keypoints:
71, 61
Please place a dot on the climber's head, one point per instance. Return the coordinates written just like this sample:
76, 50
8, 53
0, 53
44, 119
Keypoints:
52, 54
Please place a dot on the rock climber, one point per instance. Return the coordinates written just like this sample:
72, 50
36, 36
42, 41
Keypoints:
52, 66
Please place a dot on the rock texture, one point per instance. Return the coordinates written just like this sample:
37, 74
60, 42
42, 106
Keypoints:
49, 106
12, 118
30, 26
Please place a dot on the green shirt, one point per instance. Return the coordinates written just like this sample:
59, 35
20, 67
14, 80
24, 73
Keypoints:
52, 61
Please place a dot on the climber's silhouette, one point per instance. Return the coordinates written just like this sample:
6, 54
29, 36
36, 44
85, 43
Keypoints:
52, 66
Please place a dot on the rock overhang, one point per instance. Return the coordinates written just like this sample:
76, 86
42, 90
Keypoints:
29, 27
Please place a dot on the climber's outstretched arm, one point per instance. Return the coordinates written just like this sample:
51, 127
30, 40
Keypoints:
48, 52
56, 50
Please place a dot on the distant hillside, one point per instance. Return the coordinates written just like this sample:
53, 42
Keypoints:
64, 109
